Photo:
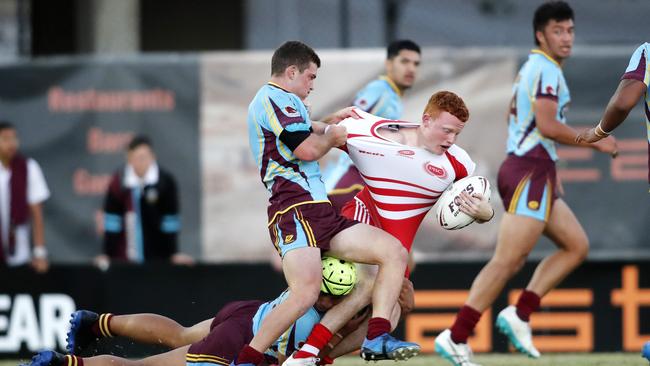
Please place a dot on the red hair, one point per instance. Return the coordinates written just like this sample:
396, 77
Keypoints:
446, 101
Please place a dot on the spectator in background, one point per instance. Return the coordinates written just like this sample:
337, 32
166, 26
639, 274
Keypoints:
141, 211
22, 192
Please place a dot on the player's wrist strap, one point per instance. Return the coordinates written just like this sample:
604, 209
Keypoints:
598, 131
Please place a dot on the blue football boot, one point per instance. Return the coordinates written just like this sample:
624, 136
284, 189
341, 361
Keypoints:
386, 347
81, 335
46, 358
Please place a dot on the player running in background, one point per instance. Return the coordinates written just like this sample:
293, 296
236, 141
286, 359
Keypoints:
633, 85
406, 167
286, 145
527, 186
211, 342
381, 97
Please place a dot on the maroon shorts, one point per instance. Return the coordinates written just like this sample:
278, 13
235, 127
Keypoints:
231, 329
307, 225
346, 188
528, 186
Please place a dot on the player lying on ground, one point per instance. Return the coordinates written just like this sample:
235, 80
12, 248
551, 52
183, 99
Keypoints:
406, 167
212, 341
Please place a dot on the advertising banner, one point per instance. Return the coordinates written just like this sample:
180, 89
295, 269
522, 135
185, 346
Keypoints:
601, 307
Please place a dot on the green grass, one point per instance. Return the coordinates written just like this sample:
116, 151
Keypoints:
573, 359
549, 359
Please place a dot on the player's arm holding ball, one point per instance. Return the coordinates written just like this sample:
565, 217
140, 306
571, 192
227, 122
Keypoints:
476, 205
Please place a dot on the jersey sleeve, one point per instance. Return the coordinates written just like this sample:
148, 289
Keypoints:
463, 164
285, 112
548, 82
367, 98
638, 69
37, 190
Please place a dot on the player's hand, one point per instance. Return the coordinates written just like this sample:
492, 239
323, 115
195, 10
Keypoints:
406, 298
607, 146
40, 265
336, 134
476, 205
342, 114
588, 136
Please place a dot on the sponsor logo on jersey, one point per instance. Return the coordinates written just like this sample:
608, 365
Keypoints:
406, 152
435, 171
362, 103
370, 153
533, 205
288, 239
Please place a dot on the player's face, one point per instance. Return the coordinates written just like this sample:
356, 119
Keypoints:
141, 159
557, 39
403, 68
302, 83
326, 302
440, 133
8, 143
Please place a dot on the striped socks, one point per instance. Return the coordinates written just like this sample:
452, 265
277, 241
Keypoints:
102, 328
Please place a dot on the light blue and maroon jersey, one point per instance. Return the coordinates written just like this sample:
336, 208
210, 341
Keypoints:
380, 97
290, 181
639, 69
539, 77
291, 339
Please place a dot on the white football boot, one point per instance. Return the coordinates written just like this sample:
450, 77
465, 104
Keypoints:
459, 354
517, 331
309, 361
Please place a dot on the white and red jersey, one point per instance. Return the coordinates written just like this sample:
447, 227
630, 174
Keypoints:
403, 182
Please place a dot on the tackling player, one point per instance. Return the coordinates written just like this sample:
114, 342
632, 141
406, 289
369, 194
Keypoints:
527, 186
211, 342
286, 145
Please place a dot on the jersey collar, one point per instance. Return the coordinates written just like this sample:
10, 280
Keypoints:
277, 86
540, 52
392, 84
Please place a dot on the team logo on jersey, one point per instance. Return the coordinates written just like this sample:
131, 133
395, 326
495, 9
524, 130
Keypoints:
407, 153
291, 111
435, 171
362, 103
550, 90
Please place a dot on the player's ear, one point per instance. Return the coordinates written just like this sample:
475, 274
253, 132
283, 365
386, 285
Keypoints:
426, 119
291, 72
541, 39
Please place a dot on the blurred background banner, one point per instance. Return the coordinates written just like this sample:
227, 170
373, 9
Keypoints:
602, 307
76, 117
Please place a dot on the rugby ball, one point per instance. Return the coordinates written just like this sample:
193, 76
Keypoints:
448, 211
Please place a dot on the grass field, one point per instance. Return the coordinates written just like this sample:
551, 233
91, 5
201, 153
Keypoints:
576, 359
573, 359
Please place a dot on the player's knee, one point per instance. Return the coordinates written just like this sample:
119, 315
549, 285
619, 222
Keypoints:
508, 266
581, 249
